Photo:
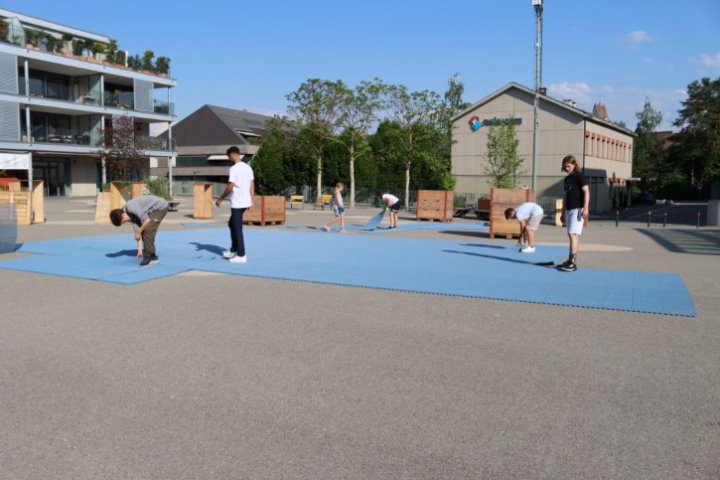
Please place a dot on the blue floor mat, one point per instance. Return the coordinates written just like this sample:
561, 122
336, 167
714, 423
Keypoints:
482, 270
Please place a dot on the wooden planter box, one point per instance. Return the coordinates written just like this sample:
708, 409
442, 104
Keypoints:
118, 195
138, 189
267, 210
29, 205
435, 205
202, 201
500, 200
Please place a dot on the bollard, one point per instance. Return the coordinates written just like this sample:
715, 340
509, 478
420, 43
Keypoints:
617, 217
664, 219
649, 214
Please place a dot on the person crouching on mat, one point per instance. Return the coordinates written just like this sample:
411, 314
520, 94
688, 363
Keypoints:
145, 213
394, 204
529, 215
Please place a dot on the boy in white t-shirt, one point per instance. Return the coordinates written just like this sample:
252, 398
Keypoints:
394, 204
241, 188
529, 215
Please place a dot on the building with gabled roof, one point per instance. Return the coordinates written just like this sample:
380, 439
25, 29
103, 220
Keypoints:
603, 149
203, 137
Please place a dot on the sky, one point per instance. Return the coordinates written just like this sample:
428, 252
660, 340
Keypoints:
249, 55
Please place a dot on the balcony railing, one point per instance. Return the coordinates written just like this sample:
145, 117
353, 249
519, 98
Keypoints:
164, 107
154, 143
58, 136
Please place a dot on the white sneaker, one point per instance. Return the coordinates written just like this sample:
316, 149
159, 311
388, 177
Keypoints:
528, 249
228, 254
327, 229
237, 259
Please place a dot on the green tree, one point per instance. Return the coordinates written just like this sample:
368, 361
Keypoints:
698, 142
647, 152
267, 164
412, 111
358, 110
316, 104
502, 157
388, 153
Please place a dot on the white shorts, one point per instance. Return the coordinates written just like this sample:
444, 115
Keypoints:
534, 222
574, 221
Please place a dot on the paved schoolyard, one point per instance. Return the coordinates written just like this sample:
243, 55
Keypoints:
205, 375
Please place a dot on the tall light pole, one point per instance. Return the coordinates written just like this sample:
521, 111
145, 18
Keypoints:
538, 6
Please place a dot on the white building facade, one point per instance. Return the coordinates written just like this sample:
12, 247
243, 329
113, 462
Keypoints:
60, 88
602, 148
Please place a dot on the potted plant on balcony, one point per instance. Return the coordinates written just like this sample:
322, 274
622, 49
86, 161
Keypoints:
67, 44
87, 48
147, 61
111, 51
78, 45
31, 38
162, 65
4, 30
98, 50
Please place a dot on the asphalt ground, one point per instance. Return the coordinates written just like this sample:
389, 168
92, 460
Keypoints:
211, 376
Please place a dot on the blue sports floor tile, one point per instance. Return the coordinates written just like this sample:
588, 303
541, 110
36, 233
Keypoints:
470, 269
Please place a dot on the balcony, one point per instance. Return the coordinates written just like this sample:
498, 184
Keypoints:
57, 136
164, 107
154, 143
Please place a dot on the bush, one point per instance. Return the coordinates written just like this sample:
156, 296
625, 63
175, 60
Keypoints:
158, 186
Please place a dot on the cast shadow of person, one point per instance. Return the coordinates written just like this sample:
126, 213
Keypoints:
122, 253
208, 248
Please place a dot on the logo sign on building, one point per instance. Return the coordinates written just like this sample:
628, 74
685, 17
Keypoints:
14, 161
476, 124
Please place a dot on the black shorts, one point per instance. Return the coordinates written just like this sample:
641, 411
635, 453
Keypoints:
395, 207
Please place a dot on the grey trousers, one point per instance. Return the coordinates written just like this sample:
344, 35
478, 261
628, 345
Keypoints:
148, 235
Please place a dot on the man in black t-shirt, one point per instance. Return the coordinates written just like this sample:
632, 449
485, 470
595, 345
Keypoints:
575, 209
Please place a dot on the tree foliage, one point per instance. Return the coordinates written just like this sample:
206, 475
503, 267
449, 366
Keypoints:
698, 142
647, 154
123, 149
331, 138
502, 161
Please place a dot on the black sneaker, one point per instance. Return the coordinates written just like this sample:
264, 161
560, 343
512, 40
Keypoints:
154, 259
568, 266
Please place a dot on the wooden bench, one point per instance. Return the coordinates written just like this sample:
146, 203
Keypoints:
297, 200
172, 205
325, 199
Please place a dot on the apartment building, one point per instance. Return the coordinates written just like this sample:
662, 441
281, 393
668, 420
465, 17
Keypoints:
61, 88
603, 148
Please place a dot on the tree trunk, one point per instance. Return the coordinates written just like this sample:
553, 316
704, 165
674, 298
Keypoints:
408, 164
407, 185
352, 174
319, 178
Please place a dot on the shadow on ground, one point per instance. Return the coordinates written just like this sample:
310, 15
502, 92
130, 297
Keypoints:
698, 242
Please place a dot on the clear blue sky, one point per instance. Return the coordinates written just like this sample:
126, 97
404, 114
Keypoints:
249, 55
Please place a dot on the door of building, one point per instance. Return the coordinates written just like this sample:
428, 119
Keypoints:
56, 175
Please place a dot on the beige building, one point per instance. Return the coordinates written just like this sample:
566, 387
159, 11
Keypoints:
603, 149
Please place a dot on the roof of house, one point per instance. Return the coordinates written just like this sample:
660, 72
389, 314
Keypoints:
211, 125
560, 103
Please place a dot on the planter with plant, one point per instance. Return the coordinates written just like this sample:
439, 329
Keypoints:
4, 30
162, 65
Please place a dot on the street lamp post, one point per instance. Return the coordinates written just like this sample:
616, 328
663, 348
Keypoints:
538, 6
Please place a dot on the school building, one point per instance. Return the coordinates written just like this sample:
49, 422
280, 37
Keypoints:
602, 148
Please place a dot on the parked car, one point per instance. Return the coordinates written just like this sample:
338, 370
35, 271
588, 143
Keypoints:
645, 198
